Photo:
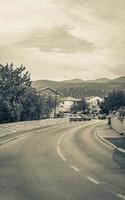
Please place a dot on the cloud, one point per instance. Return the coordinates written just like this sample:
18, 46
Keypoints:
118, 69
58, 39
109, 10
101, 9
75, 68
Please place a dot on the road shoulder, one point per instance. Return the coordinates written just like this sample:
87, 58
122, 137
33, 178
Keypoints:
111, 137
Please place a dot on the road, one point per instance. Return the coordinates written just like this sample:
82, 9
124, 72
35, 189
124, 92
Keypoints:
61, 162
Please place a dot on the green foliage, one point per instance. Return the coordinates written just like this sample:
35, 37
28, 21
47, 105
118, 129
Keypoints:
18, 100
32, 105
48, 103
113, 101
81, 106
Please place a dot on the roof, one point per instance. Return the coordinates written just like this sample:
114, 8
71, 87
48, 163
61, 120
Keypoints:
50, 89
70, 99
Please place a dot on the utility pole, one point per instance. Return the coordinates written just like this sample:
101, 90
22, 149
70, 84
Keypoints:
55, 104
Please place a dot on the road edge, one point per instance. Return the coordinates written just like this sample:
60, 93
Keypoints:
7, 138
107, 142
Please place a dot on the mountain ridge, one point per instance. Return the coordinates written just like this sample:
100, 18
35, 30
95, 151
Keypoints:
79, 88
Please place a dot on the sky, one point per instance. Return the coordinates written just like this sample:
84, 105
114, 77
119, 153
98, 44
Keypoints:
64, 39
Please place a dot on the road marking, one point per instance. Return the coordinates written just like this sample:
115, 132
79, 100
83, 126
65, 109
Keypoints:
59, 142
58, 148
93, 180
120, 196
76, 169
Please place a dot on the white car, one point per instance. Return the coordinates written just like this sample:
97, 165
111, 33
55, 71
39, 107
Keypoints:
75, 117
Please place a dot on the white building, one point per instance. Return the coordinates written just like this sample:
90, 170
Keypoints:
94, 103
66, 104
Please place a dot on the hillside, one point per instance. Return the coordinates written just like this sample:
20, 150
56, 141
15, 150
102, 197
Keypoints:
100, 80
119, 80
79, 88
74, 81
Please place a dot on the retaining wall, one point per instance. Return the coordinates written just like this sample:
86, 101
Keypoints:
9, 128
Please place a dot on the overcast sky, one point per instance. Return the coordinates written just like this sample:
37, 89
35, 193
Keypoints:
64, 39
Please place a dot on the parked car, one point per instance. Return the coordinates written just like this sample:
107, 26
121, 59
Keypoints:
87, 118
102, 116
75, 117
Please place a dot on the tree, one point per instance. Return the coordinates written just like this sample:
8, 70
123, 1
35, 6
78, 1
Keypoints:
18, 100
113, 101
32, 105
48, 104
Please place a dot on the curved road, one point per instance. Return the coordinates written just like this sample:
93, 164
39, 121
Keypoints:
61, 162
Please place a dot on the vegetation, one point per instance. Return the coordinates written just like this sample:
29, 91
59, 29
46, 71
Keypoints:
48, 102
113, 101
18, 100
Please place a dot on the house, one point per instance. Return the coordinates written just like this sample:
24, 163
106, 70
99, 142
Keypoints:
49, 92
94, 103
66, 104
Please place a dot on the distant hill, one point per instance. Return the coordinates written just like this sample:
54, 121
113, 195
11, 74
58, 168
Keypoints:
100, 80
73, 81
78, 88
119, 80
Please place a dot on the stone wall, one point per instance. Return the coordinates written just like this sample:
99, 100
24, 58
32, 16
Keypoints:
9, 128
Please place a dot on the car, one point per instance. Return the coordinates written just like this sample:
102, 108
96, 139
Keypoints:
75, 117
102, 116
87, 118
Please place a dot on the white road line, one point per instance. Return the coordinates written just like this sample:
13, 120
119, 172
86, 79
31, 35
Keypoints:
120, 196
76, 169
92, 180
59, 142
58, 148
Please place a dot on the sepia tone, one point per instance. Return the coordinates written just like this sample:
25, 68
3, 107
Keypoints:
65, 38
62, 100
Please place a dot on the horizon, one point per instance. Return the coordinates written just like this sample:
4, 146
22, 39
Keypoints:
84, 80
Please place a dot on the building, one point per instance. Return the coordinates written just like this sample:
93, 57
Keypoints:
94, 103
49, 93
66, 104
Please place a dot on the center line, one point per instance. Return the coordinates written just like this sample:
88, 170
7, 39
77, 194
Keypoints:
76, 169
93, 180
120, 196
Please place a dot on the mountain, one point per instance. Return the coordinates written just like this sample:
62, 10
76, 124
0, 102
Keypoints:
73, 81
78, 88
100, 80
44, 83
119, 80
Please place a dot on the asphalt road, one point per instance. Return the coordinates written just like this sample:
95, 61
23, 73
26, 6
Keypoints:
62, 162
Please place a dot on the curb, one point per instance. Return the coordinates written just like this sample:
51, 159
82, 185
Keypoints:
6, 141
107, 142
